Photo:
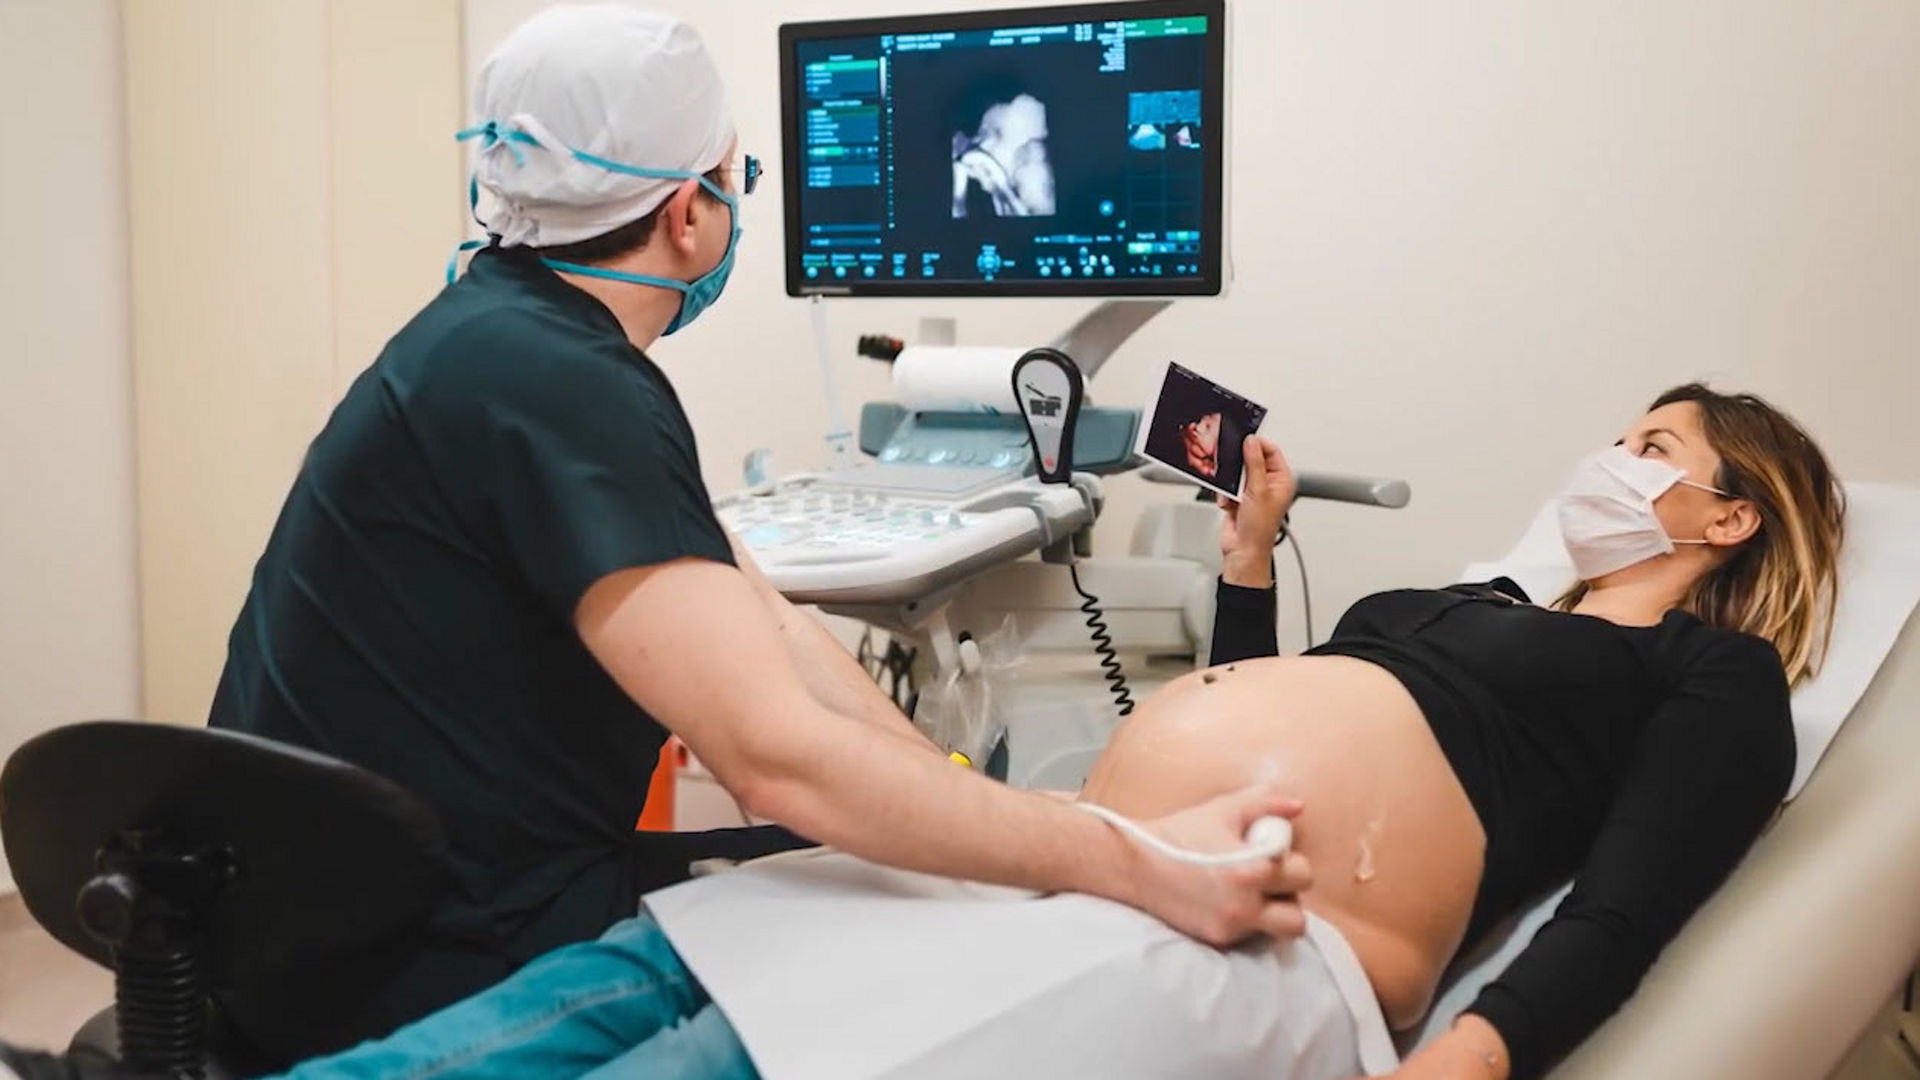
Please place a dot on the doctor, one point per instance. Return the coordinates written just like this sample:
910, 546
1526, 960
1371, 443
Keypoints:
498, 578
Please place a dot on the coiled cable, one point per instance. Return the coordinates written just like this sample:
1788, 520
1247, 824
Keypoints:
1103, 644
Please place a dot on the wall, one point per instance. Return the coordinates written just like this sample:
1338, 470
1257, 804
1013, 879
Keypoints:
68, 622
1470, 240
295, 188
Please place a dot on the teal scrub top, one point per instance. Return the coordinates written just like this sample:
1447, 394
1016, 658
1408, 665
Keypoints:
413, 614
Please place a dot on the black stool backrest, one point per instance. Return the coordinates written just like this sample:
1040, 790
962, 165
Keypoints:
189, 859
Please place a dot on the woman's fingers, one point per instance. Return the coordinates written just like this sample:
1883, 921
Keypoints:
1265, 466
1277, 469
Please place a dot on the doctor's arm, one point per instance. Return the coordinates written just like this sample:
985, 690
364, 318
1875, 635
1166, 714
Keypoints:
830, 673
691, 643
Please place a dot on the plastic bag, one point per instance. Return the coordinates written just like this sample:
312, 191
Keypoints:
957, 707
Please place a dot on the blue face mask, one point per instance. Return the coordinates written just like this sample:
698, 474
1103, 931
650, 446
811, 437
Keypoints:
696, 295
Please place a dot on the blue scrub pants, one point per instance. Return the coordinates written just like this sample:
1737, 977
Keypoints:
621, 1006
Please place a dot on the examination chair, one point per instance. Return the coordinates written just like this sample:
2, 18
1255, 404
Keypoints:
203, 864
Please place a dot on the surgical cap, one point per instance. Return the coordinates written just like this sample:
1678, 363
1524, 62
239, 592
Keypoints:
629, 86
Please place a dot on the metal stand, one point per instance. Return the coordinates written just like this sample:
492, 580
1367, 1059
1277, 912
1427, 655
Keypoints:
149, 903
1100, 332
839, 435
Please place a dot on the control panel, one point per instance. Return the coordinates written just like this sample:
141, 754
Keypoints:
891, 533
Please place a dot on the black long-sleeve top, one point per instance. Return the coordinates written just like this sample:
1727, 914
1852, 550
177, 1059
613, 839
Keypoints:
1642, 761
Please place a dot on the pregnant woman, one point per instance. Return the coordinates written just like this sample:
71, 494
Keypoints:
1461, 750
1457, 751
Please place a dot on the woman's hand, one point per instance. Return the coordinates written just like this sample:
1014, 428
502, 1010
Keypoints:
1252, 525
1470, 1050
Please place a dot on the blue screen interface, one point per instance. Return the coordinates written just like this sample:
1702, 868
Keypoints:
1051, 153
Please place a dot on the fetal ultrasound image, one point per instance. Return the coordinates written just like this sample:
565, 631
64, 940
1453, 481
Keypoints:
1004, 159
1197, 426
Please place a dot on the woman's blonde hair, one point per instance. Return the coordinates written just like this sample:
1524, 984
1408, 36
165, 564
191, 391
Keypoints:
1780, 584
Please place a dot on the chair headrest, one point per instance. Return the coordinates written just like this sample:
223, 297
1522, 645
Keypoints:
329, 856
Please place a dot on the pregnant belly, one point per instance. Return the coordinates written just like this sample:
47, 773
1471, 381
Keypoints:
1395, 845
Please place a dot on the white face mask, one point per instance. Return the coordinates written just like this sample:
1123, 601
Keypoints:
1607, 519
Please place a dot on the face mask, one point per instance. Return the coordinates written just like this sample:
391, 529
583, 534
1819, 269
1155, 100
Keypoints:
696, 295
1607, 519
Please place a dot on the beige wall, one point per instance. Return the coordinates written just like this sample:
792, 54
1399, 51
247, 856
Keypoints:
294, 188
398, 179
1471, 238
68, 622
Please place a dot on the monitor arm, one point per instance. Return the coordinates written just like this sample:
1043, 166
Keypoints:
1101, 332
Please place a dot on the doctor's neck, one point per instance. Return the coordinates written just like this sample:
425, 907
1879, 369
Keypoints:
1642, 594
642, 311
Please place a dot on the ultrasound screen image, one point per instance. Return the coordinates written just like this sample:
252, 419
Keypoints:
1004, 162
1065, 153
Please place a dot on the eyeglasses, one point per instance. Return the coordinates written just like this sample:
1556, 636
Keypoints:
749, 170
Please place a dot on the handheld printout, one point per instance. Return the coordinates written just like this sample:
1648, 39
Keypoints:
1196, 427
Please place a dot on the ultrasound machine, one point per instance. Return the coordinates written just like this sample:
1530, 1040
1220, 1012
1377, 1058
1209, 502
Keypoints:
1070, 152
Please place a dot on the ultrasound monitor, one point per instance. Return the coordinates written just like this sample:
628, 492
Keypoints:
1049, 151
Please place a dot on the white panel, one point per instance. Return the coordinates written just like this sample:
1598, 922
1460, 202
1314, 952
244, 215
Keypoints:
68, 615
232, 316
295, 188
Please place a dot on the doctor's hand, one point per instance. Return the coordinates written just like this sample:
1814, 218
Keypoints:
1252, 525
1222, 905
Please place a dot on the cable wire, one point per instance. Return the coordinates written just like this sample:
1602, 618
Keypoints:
899, 662
1267, 838
1299, 560
891, 669
1103, 644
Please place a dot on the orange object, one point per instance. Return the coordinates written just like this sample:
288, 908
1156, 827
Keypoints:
657, 815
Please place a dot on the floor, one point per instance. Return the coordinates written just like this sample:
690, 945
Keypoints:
47, 991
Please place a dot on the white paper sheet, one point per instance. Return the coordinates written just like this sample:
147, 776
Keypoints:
833, 968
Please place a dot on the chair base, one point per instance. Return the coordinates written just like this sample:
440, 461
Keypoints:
228, 1057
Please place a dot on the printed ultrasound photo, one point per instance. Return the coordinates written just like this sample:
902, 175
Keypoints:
1197, 426
1001, 166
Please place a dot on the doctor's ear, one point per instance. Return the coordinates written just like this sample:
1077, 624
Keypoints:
1738, 521
677, 217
